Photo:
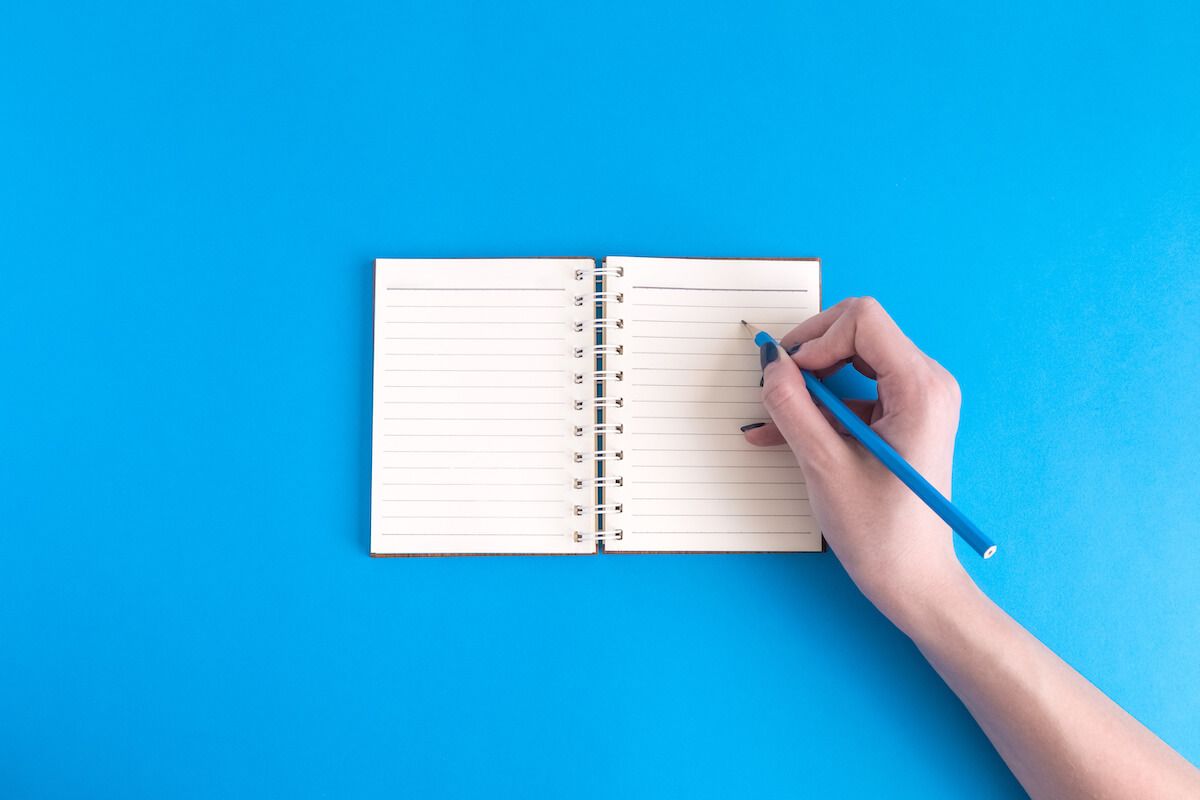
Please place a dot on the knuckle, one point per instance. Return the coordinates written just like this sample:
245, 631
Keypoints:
866, 306
937, 385
817, 458
778, 395
952, 389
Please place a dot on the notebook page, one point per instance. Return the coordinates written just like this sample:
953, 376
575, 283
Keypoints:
474, 406
690, 380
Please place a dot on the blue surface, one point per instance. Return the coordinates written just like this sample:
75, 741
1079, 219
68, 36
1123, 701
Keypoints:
192, 196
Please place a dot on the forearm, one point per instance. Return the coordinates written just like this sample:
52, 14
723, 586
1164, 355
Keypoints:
1059, 734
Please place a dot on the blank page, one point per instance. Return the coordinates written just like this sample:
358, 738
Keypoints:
690, 375
475, 406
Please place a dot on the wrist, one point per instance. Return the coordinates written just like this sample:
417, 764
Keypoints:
923, 610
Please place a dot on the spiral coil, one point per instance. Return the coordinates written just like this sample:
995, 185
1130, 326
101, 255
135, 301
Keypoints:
599, 456
579, 483
598, 324
601, 272
601, 402
603, 374
601, 428
599, 536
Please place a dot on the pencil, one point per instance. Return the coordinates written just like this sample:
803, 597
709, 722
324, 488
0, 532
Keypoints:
875, 444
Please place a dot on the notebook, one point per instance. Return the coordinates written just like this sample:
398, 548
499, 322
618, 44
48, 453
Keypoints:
560, 406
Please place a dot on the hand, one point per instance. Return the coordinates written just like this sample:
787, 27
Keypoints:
898, 552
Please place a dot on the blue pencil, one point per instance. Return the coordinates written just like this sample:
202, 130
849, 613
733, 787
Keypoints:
887, 454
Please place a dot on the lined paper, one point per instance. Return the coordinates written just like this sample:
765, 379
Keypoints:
690, 380
474, 416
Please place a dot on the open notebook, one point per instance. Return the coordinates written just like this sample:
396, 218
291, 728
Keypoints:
546, 405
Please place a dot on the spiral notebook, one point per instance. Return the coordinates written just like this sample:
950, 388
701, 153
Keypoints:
560, 406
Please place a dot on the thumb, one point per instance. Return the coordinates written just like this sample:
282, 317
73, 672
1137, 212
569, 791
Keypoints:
786, 398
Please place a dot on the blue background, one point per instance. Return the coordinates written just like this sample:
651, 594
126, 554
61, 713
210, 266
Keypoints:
192, 197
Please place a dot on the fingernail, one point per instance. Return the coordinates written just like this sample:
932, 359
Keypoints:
752, 426
767, 353
791, 351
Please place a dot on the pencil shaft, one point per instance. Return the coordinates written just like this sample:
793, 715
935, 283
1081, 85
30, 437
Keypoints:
895, 462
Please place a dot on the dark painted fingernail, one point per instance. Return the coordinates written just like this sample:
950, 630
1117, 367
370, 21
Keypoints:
791, 351
752, 426
767, 353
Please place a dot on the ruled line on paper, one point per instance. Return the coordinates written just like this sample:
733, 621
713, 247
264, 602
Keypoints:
474, 402
449, 322
737, 306
423, 467
476, 500
696, 386
463, 483
716, 322
688, 433
466, 533
683, 416
724, 533
473, 306
489, 452
707, 338
474, 289
707, 402
482, 435
708, 449
481, 419
715, 289
692, 353
791, 467
490, 338
469, 516
718, 483
788, 515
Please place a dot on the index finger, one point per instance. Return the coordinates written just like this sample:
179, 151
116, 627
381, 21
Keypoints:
855, 328
814, 326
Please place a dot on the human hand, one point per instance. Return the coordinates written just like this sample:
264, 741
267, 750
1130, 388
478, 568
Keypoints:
898, 552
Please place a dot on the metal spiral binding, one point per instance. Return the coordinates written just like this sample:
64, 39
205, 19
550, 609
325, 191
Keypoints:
600, 272
600, 297
599, 324
599, 536
600, 455
615, 508
602, 451
579, 483
600, 428
601, 350
601, 402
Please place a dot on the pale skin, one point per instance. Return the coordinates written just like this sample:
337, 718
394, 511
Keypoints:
1059, 734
